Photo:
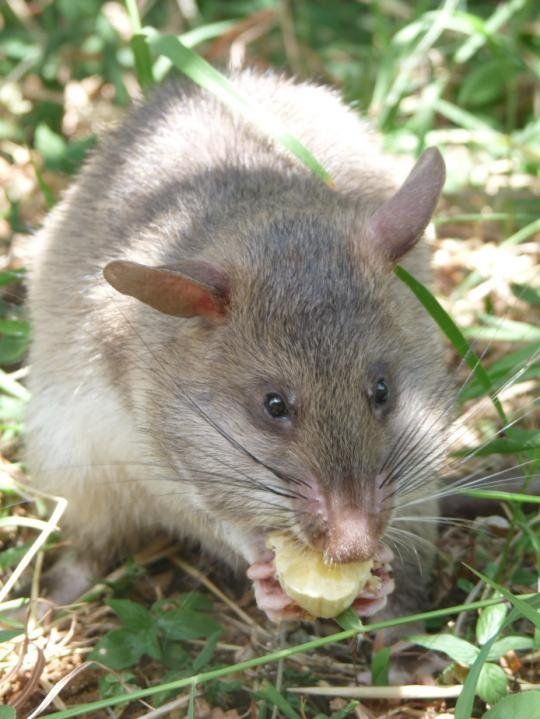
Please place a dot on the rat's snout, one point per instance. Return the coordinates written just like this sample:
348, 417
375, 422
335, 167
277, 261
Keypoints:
349, 533
345, 526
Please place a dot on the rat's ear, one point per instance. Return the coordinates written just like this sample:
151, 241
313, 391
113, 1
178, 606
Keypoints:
398, 224
189, 289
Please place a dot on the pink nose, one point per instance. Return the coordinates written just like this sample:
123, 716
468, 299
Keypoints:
350, 536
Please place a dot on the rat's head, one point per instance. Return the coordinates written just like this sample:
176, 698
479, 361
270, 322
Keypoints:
309, 379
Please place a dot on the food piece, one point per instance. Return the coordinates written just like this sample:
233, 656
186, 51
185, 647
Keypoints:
321, 589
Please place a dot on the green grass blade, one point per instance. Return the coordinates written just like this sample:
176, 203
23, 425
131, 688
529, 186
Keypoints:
451, 330
191, 38
201, 72
504, 330
206, 32
141, 53
492, 25
475, 217
514, 367
523, 234
523, 607
143, 61
526, 441
502, 496
408, 63
467, 120
134, 16
465, 702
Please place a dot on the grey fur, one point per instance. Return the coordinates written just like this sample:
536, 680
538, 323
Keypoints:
128, 403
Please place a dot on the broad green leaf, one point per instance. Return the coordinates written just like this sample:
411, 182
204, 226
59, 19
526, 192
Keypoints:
13, 555
205, 75
120, 649
509, 644
184, 623
174, 656
7, 634
523, 705
15, 328
7, 712
490, 621
7, 277
12, 349
349, 619
492, 683
131, 614
457, 649
197, 600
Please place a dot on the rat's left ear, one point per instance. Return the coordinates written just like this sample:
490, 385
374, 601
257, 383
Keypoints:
399, 223
189, 289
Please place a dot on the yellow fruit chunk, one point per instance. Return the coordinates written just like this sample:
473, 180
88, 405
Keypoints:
321, 589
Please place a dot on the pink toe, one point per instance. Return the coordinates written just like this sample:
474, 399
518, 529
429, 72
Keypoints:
261, 570
386, 586
368, 607
271, 596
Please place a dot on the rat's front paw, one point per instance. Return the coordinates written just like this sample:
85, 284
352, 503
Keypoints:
279, 606
269, 595
371, 600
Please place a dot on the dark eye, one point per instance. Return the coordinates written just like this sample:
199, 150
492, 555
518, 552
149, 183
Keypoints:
380, 392
276, 406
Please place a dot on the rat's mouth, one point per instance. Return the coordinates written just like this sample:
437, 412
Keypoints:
273, 599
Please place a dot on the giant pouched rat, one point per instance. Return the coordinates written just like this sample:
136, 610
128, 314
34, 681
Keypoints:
221, 348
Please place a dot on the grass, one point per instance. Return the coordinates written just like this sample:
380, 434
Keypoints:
462, 77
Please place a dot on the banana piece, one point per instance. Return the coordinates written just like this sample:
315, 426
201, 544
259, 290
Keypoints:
321, 589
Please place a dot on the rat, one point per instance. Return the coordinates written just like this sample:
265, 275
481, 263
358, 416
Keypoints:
221, 348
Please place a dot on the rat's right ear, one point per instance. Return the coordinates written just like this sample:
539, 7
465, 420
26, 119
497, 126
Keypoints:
189, 289
398, 224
